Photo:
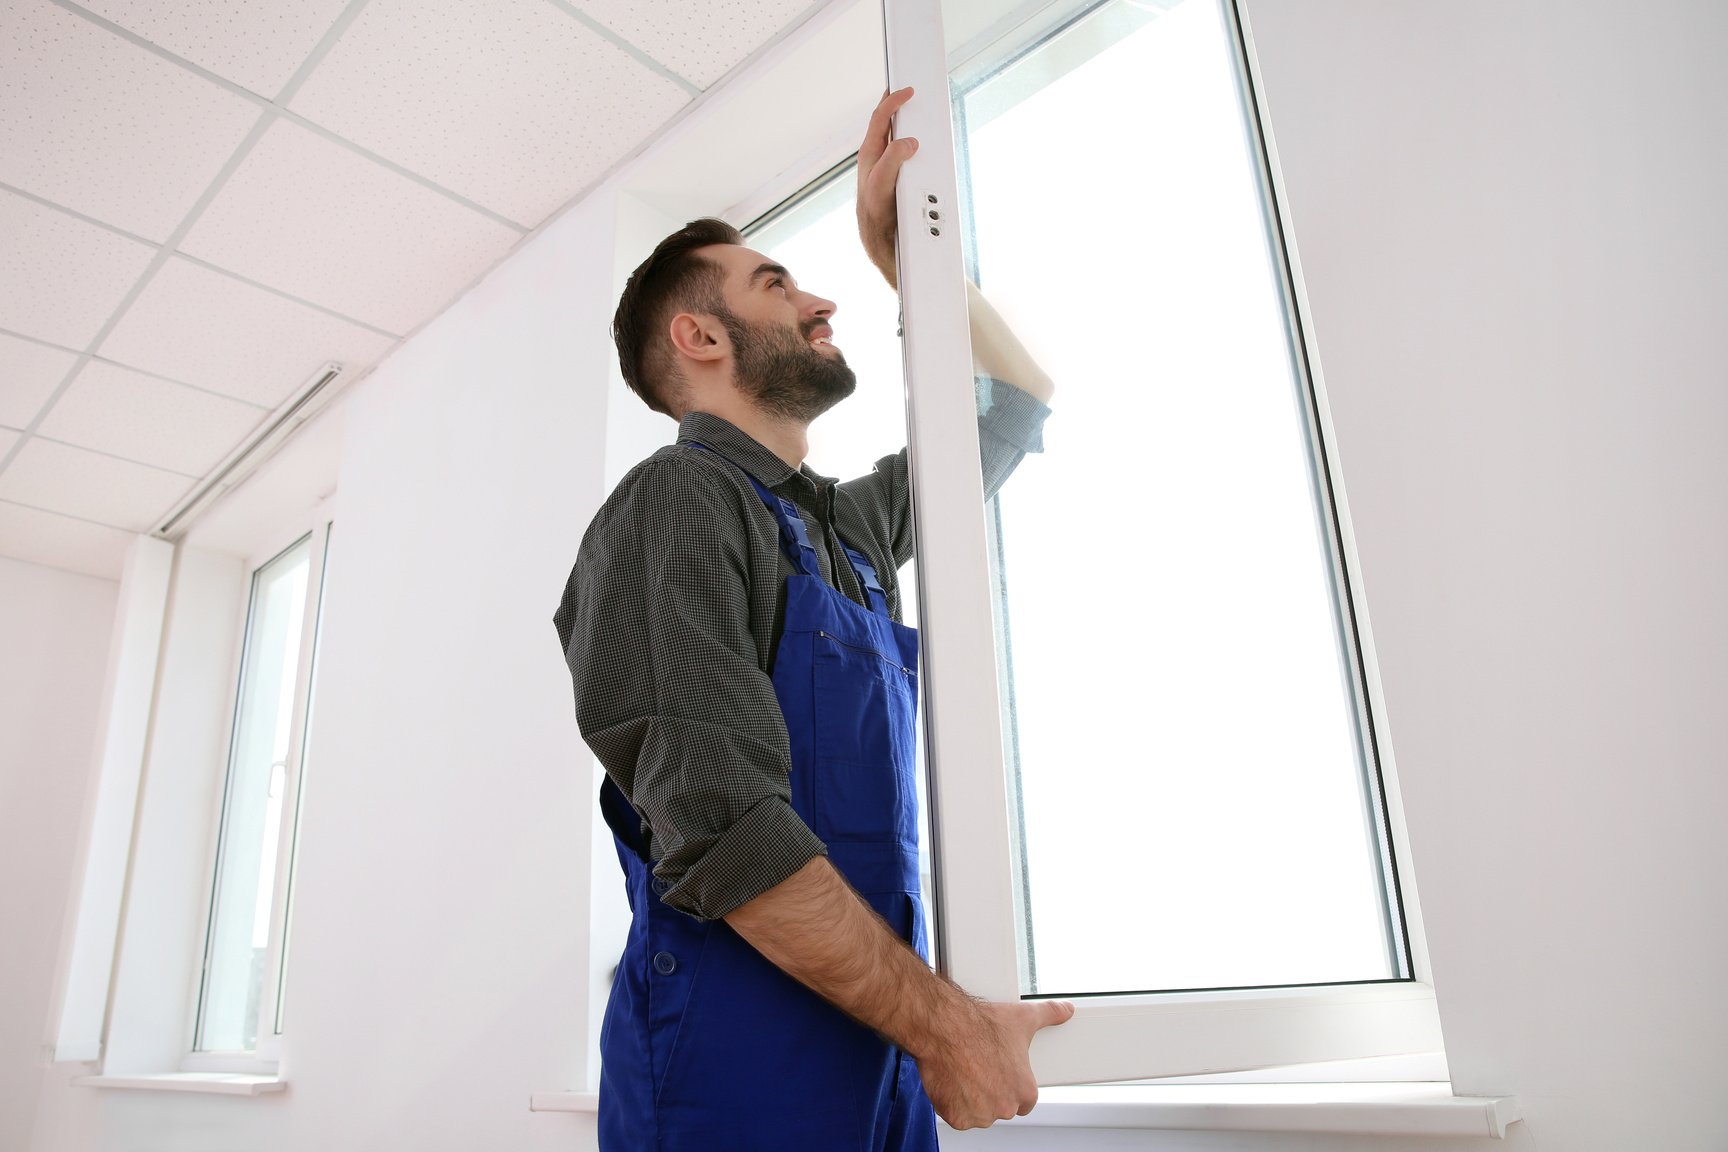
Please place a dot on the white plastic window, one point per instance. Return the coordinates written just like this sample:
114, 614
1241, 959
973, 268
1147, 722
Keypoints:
1155, 764
241, 990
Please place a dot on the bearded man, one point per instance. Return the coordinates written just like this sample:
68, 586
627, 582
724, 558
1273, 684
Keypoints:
732, 630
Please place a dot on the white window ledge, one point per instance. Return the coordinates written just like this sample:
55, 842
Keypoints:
1424, 1109
225, 1083
1391, 1109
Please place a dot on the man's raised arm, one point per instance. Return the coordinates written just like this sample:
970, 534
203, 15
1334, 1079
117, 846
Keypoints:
996, 350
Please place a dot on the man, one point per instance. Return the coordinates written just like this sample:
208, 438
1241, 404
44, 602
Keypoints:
731, 629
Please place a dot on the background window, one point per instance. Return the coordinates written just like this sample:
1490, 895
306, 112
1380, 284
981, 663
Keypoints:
242, 979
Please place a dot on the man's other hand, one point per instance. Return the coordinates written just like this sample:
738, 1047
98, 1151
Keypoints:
879, 160
981, 1074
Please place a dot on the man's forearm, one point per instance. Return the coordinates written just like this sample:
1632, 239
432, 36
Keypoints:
999, 353
814, 927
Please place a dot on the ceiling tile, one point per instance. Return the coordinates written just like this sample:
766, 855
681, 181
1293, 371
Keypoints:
61, 542
126, 413
317, 221
257, 46
92, 121
8, 437
29, 373
511, 103
205, 328
61, 478
60, 277
700, 42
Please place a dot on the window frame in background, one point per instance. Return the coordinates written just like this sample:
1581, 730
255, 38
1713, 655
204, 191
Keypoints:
317, 530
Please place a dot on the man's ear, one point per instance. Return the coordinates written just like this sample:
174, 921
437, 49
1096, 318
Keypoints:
699, 336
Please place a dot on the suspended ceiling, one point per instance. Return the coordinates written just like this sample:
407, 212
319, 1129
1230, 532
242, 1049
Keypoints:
201, 203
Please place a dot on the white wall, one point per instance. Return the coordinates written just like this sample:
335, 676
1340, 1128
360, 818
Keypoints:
54, 632
1510, 223
173, 854
1506, 218
440, 932
437, 974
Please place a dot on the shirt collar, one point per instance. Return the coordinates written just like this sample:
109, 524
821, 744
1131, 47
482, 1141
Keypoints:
743, 450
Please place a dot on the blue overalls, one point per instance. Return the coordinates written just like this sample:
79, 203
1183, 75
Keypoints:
708, 1047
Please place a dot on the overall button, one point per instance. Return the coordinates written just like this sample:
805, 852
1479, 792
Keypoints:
665, 963
660, 886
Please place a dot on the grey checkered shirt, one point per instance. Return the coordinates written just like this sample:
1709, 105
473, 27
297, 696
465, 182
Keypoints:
671, 618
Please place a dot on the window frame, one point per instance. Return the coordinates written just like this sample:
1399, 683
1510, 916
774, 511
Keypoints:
265, 1058
1112, 1037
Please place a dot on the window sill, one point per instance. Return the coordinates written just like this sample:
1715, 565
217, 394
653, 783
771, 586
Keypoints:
223, 1083
1409, 1109
1386, 1109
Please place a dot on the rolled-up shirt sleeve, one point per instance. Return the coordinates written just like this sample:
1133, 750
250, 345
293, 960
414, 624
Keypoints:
1010, 424
671, 694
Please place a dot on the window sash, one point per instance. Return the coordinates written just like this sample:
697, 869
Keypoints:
975, 903
272, 991
267, 1052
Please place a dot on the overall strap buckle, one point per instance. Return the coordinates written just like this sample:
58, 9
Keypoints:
867, 577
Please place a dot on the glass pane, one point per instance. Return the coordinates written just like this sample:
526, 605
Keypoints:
252, 806
1196, 807
300, 789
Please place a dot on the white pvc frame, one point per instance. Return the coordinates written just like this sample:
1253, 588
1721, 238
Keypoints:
265, 1058
1110, 1038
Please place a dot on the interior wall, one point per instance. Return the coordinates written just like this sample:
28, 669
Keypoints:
446, 809
1506, 220
54, 633
1509, 221
173, 854
437, 976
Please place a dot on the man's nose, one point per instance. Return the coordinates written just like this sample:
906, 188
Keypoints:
819, 308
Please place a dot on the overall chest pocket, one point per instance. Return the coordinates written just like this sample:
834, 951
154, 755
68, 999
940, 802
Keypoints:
865, 704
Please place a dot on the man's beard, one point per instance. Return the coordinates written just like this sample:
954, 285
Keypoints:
783, 372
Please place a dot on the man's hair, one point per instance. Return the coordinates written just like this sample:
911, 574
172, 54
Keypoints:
673, 279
